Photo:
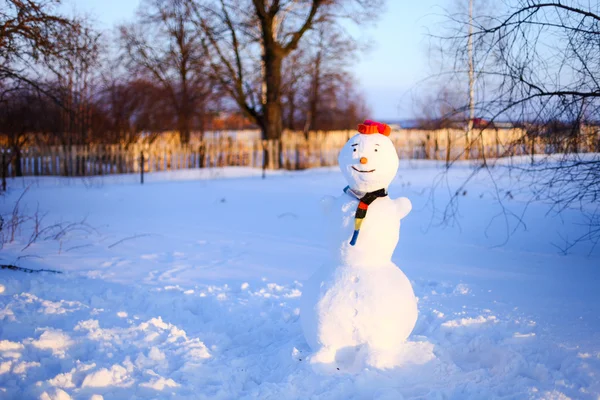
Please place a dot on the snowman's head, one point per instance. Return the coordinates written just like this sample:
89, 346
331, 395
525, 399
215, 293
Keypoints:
369, 160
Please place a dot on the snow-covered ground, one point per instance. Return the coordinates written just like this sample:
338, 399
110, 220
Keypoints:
189, 287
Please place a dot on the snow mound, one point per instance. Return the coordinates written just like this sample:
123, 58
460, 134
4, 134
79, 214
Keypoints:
55, 340
117, 376
160, 383
55, 394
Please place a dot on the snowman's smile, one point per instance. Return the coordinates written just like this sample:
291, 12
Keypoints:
364, 172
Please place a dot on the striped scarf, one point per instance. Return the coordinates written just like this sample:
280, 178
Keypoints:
363, 206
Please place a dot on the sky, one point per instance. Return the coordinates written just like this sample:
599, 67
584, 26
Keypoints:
396, 62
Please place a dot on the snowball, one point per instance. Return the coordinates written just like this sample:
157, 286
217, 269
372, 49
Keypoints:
64, 380
275, 287
340, 311
7, 345
57, 394
461, 288
5, 367
155, 354
480, 320
380, 167
22, 367
116, 376
160, 384
55, 340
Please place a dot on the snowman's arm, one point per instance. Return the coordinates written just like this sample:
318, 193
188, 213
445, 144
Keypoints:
403, 205
327, 204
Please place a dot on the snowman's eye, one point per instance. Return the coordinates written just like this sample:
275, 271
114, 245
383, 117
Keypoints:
354, 150
375, 150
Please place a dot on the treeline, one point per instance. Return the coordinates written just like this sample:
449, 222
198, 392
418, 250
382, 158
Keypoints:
178, 65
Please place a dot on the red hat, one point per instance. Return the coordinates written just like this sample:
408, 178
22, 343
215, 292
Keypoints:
369, 127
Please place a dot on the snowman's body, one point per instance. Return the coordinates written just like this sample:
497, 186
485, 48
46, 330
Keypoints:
360, 299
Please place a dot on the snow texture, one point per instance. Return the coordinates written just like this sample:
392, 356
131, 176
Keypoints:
190, 289
359, 308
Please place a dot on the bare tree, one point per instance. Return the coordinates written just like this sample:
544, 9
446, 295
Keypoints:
329, 75
318, 90
442, 108
249, 41
74, 81
17, 119
537, 64
35, 40
130, 107
295, 68
30, 33
165, 46
27, 33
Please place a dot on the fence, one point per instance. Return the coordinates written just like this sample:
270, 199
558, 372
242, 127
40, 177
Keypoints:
293, 151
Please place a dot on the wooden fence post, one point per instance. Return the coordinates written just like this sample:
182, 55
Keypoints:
264, 158
3, 170
142, 166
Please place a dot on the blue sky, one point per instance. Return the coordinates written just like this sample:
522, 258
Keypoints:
395, 63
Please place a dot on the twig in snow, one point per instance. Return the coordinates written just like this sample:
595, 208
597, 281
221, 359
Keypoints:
128, 238
288, 214
28, 270
77, 247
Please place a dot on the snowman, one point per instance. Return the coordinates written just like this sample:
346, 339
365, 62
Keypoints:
360, 305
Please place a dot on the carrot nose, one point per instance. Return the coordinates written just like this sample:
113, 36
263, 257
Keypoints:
363, 160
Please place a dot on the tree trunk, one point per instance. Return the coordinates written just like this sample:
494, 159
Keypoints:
273, 114
4, 168
291, 122
448, 147
66, 159
185, 107
315, 88
201, 154
17, 161
184, 130
183, 121
202, 118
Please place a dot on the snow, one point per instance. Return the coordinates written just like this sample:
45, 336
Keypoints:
54, 340
368, 162
171, 292
357, 316
116, 376
358, 309
57, 394
159, 384
7, 345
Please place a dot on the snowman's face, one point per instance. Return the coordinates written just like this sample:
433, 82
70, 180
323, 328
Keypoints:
369, 162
